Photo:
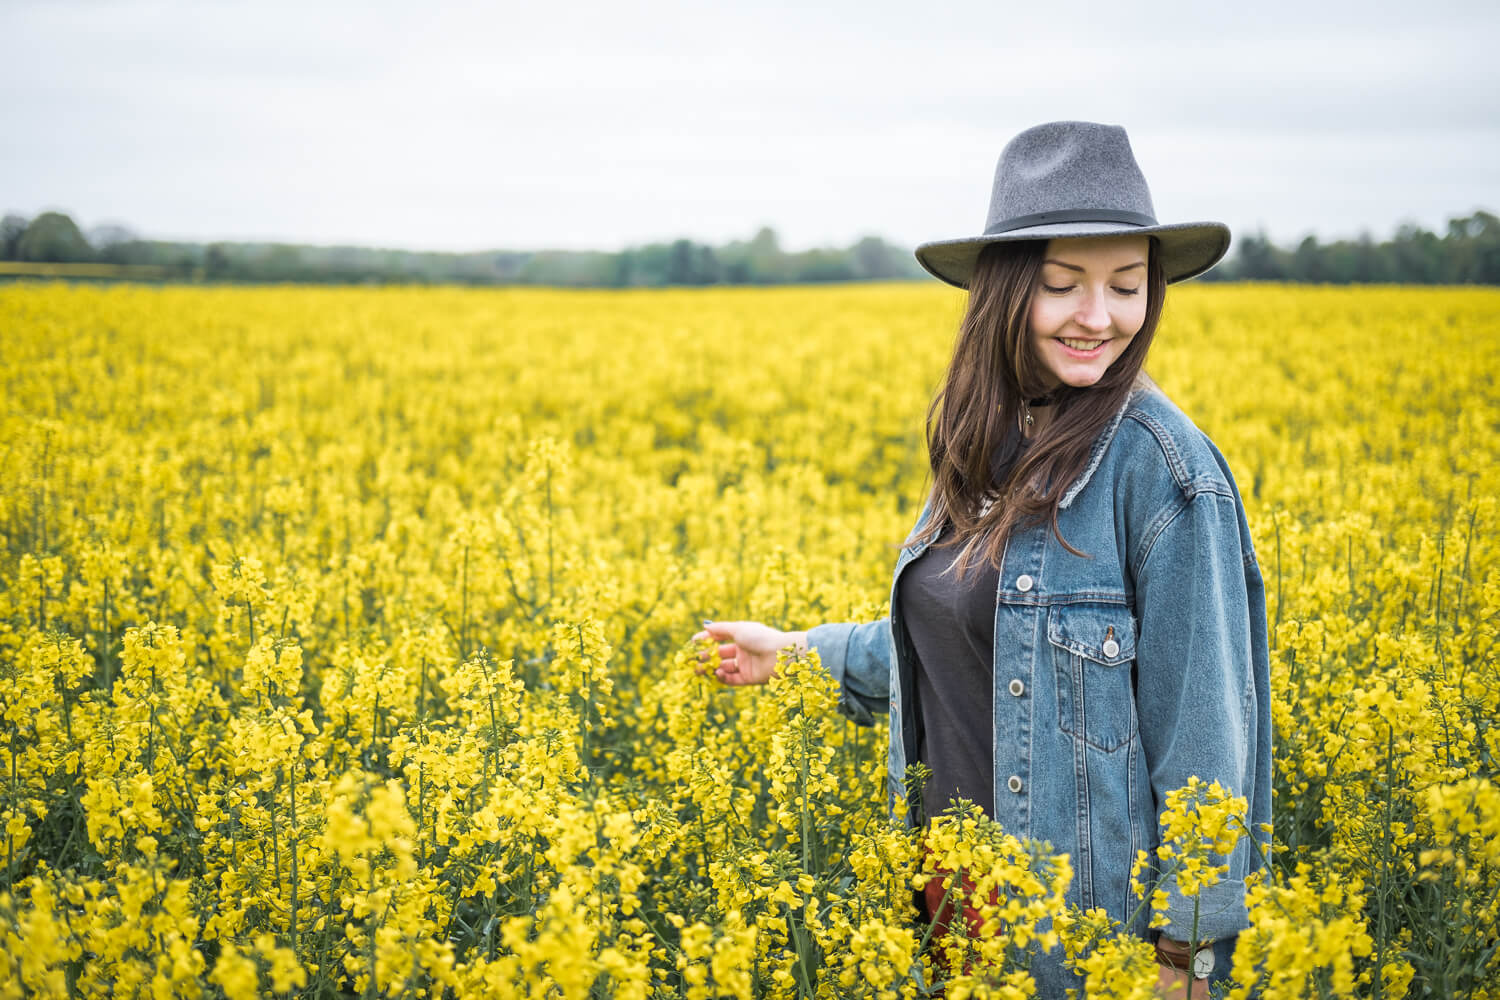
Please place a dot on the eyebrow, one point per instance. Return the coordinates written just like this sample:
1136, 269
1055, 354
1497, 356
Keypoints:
1075, 267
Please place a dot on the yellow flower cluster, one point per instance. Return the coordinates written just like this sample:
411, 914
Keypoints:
1011, 887
1307, 933
344, 645
1200, 824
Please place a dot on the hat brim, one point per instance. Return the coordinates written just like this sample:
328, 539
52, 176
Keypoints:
1187, 249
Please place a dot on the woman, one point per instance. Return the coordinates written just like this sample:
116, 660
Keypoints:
1077, 620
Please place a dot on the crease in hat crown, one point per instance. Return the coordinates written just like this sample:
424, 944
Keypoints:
1071, 178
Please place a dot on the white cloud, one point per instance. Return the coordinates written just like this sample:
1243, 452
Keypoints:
600, 124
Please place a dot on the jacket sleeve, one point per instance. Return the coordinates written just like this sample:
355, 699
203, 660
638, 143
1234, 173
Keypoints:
859, 658
1202, 692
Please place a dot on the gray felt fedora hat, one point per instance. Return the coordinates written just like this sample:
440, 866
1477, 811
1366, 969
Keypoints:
1075, 179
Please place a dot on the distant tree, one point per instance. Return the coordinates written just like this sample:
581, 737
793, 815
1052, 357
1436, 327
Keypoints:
283, 263
1258, 259
765, 262
109, 234
736, 267
11, 229
764, 242
54, 238
216, 263
1487, 248
709, 272
1475, 248
683, 264
507, 264
1418, 255
1366, 260
1307, 261
624, 269
823, 265
873, 257
650, 263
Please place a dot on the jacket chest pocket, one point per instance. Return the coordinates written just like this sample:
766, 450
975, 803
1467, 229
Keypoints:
1093, 654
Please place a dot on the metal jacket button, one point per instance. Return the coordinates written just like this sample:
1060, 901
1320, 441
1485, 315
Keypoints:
1111, 648
1014, 784
1024, 582
1016, 687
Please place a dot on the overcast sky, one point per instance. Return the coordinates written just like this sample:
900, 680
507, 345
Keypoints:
601, 123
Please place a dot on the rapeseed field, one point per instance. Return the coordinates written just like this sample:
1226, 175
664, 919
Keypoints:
345, 644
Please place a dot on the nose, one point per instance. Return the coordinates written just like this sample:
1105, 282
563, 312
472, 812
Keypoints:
1092, 314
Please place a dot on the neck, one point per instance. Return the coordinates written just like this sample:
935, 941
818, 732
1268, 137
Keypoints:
1040, 414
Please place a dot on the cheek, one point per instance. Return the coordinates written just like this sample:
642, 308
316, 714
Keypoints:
1040, 320
1132, 318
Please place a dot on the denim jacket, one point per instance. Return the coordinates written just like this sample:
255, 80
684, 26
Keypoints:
1116, 675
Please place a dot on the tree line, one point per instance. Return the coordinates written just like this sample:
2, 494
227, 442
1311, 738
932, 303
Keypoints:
54, 238
1468, 252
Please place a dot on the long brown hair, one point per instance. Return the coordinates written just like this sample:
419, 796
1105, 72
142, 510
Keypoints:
976, 413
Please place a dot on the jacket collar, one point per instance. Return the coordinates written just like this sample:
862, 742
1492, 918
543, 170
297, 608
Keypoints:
1101, 445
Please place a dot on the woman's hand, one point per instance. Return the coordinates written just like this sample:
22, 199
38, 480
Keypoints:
747, 650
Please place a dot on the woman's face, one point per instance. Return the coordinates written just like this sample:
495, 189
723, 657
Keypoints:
1089, 301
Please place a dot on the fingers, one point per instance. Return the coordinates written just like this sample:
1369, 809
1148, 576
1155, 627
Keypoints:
729, 674
732, 656
725, 670
725, 649
719, 630
722, 631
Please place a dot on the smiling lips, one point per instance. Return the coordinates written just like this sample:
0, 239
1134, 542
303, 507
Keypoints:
1086, 346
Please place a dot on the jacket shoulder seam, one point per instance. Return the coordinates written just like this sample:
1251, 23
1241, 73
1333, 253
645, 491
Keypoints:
1163, 521
1190, 478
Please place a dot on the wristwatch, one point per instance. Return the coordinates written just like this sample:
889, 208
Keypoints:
1174, 955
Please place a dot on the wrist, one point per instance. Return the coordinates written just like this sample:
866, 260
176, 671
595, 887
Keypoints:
1181, 957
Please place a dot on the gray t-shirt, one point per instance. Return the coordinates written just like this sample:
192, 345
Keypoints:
952, 627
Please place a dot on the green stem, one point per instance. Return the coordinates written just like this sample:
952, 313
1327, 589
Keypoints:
551, 587
1276, 522
295, 882
1193, 948
1385, 862
275, 835
947, 898
588, 662
370, 990
104, 635
806, 815
151, 729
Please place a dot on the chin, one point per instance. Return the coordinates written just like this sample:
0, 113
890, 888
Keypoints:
1082, 381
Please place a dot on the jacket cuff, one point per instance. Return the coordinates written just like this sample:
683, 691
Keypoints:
1221, 911
832, 644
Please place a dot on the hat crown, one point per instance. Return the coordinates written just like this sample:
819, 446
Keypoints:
1068, 172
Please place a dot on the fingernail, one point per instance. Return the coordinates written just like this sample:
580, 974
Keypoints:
707, 622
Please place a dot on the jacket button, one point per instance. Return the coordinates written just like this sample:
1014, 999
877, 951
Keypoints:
1111, 648
1024, 582
1016, 687
1014, 784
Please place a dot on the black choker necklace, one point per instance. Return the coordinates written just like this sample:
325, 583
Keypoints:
1025, 421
